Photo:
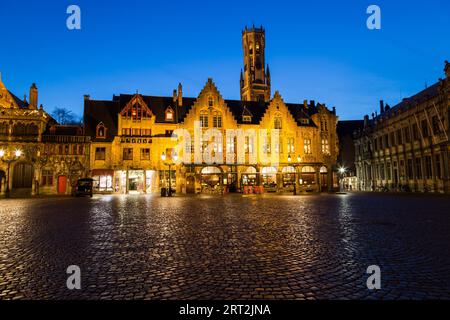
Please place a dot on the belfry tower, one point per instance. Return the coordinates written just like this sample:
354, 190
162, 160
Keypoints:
255, 80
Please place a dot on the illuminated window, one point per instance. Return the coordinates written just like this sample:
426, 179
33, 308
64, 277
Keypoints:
325, 146
101, 131
204, 119
290, 145
145, 153
246, 119
307, 146
217, 119
169, 114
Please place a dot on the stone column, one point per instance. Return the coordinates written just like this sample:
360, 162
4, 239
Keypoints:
126, 182
3, 185
145, 181
317, 178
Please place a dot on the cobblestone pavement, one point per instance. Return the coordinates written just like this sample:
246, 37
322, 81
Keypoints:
231, 247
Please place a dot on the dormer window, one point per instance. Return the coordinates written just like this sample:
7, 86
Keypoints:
101, 131
169, 114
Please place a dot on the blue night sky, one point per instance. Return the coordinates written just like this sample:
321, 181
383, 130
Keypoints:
317, 50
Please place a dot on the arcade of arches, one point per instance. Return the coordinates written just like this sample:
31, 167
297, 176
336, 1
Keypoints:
226, 178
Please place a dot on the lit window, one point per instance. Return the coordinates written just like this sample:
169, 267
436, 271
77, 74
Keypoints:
204, 119
325, 146
290, 145
307, 146
101, 130
217, 120
145, 154
169, 114
246, 119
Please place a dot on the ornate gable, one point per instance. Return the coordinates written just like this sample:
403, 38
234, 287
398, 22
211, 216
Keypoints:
6, 99
136, 109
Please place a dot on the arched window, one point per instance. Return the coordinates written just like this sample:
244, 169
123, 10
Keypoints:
308, 169
210, 102
101, 131
217, 119
277, 124
204, 119
32, 129
19, 129
325, 146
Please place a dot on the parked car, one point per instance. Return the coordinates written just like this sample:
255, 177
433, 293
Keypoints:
84, 187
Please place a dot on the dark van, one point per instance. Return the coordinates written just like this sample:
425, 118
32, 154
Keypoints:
84, 187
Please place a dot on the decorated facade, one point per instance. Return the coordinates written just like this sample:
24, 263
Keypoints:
138, 142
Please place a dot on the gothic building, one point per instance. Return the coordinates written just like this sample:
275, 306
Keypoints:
37, 156
406, 147
134, 149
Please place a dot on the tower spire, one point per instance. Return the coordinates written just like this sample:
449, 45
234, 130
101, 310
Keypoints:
254, 86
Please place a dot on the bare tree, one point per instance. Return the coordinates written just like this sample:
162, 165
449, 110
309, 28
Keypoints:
65, 116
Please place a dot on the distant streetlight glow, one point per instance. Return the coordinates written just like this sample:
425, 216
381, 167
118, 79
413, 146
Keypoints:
2, 153
163, 157
18, 153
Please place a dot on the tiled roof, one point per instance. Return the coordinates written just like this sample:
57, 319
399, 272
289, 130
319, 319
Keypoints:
97, 111
18, 101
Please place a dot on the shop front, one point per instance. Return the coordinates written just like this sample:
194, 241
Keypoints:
135, 181
103, 180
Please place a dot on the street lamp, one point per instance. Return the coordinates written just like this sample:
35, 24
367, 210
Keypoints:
342, 171
174, 158
299, 159
8, 158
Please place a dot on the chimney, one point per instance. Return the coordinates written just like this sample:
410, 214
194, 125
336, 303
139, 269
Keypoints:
180, 94
381, 106
305, 103
174, 96
447, 69
313, 103
366, 121
87, 97
33, 96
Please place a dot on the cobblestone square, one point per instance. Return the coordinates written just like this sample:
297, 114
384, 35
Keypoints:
230, 247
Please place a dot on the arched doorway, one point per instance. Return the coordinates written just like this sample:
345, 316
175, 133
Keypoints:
23, 176
324, 177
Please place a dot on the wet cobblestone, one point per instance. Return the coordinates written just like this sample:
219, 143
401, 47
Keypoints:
232, 247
